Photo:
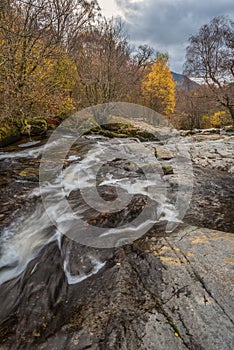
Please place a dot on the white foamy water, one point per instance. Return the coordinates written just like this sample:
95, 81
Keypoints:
23, 240
27, 153
33, 153
74, 279
29, 144
72, 158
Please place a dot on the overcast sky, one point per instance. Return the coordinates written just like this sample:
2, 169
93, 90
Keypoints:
166, 24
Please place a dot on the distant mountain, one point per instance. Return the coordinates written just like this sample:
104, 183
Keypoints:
183, 82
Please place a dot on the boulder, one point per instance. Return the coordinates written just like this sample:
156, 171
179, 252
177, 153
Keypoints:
34, 126
8, 134
163, 153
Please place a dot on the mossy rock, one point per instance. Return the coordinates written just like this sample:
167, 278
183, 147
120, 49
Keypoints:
30, 174
9, 133
146, 136
167, 169
122, 130
34, 127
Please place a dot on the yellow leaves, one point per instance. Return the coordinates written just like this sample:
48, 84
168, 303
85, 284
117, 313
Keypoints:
66, 106
158, 88
39, 78
217, 120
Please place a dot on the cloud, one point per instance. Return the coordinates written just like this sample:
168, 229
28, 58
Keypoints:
167, 24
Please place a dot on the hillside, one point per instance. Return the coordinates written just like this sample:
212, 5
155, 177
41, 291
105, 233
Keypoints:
182, 81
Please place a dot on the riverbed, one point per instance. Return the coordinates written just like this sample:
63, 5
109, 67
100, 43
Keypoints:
40, 245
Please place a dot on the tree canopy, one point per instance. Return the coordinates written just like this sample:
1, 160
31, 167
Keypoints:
210, 56
158, 87
57, 56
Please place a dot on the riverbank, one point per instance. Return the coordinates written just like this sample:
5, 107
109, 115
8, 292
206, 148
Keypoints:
11, 132
127, 127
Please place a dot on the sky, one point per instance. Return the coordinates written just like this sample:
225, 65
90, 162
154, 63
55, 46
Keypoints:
166, 25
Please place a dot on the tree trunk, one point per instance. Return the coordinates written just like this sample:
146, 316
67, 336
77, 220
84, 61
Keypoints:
231, 111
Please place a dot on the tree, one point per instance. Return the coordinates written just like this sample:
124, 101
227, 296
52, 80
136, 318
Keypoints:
210, 56
108, 69
101, 55
192, 104
158, 87
34, 34
141, 59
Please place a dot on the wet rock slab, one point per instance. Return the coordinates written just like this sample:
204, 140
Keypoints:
162, 292
165, 291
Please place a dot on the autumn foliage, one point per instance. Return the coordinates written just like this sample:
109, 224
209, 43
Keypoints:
59, 56
37, 73
158, 87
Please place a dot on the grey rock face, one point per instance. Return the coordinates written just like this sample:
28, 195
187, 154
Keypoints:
217, 154
172, 292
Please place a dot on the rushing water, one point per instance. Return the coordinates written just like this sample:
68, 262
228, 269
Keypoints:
35, 227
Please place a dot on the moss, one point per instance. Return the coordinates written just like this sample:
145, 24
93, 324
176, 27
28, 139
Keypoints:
171, 323
9, 133
122, 130
168, 170
146, 136
30, 174
8, 130
12, 132
112, 134
34, 126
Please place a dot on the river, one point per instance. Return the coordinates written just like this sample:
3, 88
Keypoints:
35, 228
